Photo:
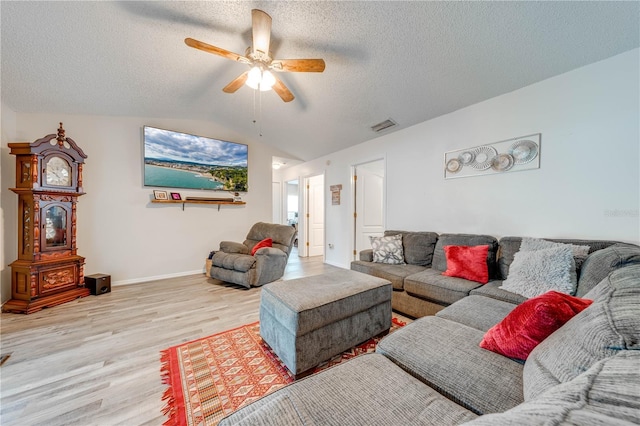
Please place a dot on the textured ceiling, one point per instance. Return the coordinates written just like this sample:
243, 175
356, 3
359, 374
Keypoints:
410, 61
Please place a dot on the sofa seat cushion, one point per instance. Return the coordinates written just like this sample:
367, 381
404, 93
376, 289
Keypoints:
445, 355
366, 390
606, 394
478, 312
394, 273
431, 284
611, 324
418, 246
440, 260
233, 261
492, 289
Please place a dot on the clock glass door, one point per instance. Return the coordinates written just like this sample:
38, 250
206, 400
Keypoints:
55, 227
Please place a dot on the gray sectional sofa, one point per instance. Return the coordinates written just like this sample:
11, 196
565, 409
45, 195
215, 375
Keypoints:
433, 372
420, 289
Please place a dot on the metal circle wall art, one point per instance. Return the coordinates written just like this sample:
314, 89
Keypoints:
466, 157
522, 153
483, 157
454, 165
502, 162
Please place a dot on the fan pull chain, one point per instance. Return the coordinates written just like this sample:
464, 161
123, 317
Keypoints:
259, 121
260, 112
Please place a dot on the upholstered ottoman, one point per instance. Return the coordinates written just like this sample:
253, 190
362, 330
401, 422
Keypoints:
309, 320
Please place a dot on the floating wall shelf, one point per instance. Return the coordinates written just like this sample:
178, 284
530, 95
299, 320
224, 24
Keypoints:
183, 202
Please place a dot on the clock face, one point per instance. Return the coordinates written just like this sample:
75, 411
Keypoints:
58, 172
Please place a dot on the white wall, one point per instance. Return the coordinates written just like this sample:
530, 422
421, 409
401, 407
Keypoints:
119, 231
587, 186
8, 201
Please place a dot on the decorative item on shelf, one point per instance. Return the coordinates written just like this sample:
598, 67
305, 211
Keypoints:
48, 270
160, 195
237, 197
176, 196
516, 154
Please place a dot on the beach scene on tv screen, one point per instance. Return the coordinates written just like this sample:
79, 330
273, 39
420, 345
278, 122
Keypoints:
181, 160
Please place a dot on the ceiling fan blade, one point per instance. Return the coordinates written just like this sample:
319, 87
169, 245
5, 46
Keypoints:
215, 50
282, 91
261, 31
298, 65
237, 83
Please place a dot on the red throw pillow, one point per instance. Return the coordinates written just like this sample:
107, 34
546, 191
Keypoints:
267, 242
531, 322
468, 262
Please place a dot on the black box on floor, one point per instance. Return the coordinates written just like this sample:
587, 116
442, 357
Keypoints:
98, 283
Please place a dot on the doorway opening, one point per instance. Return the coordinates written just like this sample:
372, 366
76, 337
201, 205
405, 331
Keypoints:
292, 205
314, 216
369, 201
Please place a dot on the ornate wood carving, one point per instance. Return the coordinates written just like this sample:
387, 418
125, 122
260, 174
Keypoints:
26, 228
34, 170
73, 226
54, 279
25, 175
36, 225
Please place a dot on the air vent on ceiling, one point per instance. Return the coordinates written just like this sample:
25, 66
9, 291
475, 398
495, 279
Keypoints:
384, 125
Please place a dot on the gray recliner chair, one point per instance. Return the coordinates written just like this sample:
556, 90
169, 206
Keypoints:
235, 264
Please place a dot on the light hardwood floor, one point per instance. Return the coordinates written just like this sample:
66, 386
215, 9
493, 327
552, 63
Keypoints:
96, 360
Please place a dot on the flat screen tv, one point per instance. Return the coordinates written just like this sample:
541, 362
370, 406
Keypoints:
180, 160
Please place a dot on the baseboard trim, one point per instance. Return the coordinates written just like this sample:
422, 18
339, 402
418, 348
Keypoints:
156, 277
337, 264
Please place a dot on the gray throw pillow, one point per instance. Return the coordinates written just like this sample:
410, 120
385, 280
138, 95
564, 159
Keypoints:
580, 253
533, 273
387, 249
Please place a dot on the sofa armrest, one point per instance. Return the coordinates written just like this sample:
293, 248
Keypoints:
233, 247
366, 255
270, 264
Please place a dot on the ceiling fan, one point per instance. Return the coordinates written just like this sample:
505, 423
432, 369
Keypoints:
259, 59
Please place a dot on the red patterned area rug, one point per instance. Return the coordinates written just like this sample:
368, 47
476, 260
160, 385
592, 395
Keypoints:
210, 378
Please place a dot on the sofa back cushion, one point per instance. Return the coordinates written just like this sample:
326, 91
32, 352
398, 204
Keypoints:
440, 260
417, 246
282, 236
509, 246
611, 324
601, 263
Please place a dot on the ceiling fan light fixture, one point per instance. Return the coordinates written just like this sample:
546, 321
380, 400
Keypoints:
260, 79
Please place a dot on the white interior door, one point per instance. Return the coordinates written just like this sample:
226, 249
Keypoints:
315, 215
276, 202
369, 203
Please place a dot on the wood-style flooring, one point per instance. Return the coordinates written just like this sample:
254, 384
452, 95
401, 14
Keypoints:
96, 360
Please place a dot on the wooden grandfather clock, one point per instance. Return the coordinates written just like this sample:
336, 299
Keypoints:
48, 271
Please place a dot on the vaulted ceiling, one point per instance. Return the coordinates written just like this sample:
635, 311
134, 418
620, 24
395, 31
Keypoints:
409, 61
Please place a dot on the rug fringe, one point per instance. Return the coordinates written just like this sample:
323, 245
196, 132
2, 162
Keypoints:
397, 322
169, 409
